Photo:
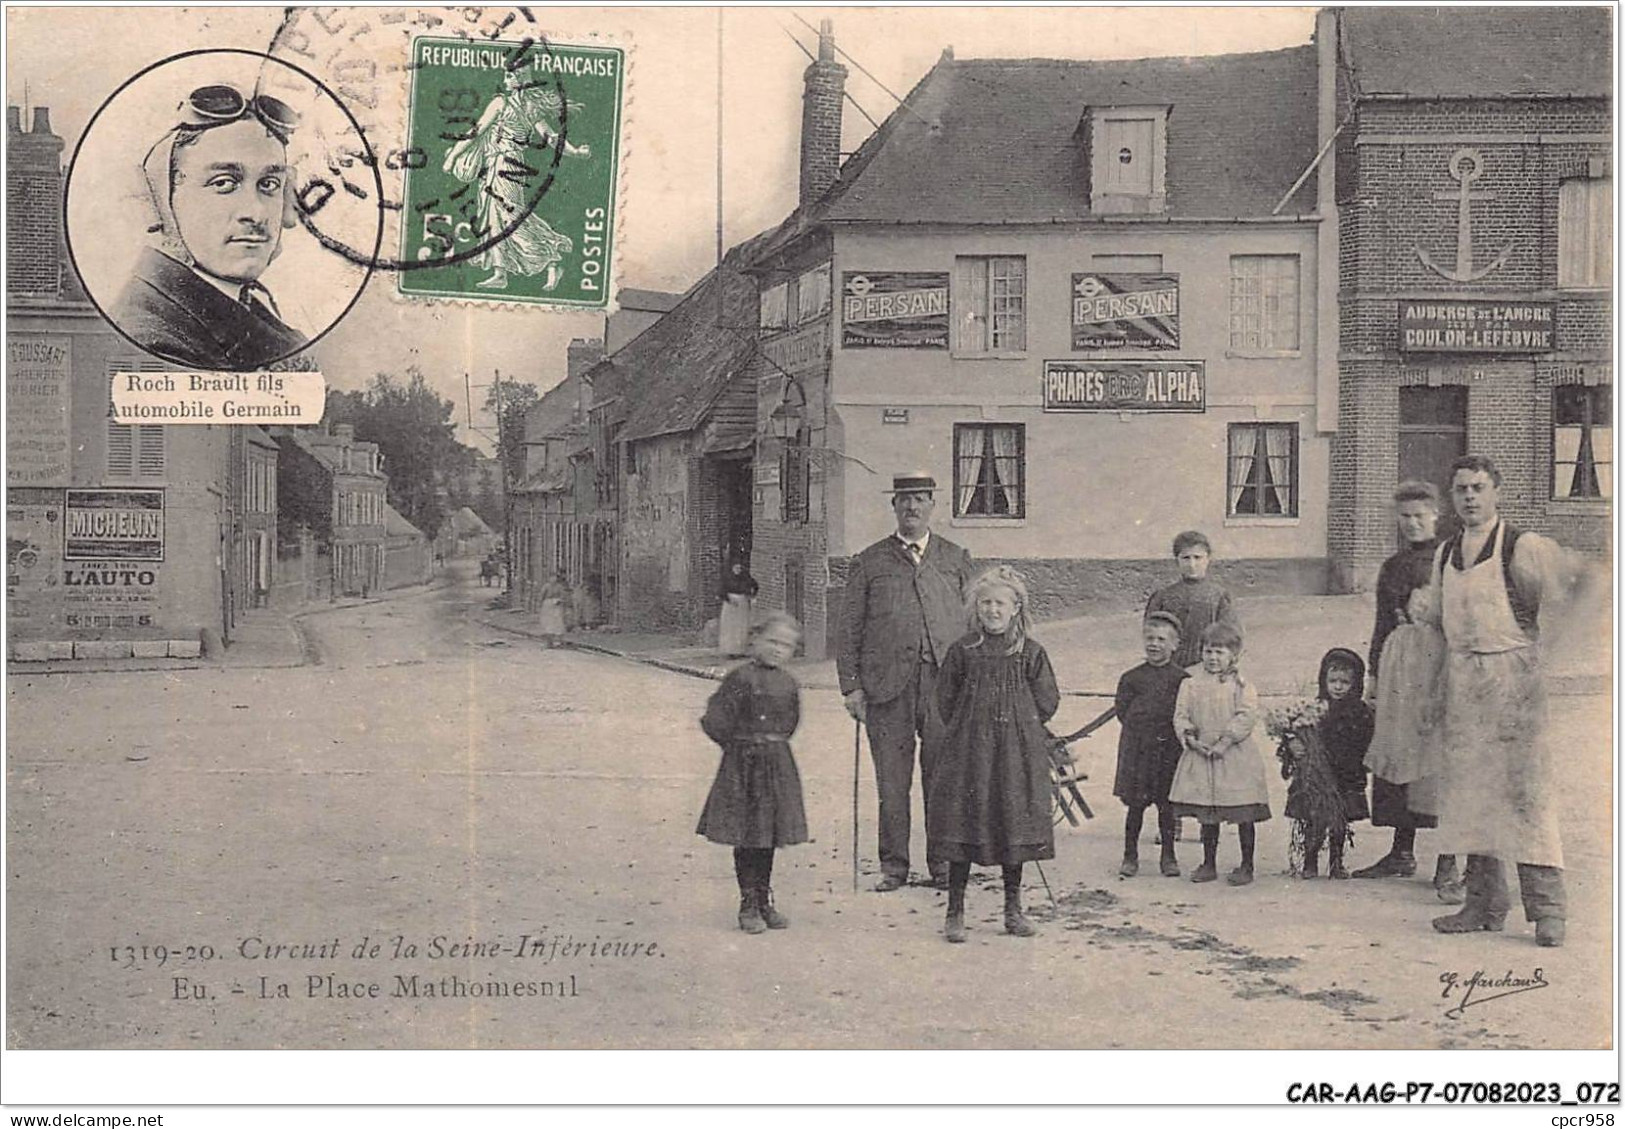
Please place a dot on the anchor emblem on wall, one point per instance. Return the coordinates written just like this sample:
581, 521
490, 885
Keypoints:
1466, 166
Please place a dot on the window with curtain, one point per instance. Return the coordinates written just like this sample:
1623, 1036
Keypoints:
812, 294
990, 470
776, 306
1585, 232
1264, 303
1582, 441
1262, 473
990, 304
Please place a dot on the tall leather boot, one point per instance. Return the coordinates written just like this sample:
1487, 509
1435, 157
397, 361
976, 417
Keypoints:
954, 929
1015, 922
745, 868
1487, 900
1447, 882
1544, 902
771, 917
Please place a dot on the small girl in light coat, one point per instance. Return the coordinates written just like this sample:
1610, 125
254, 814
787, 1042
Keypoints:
1221, 776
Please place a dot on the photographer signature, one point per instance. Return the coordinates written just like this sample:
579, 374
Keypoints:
1481, 989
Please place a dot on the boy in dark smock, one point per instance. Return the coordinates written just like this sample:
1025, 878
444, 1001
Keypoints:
1147, 747
755, 802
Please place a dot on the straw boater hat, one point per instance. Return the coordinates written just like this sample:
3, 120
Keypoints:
914, 482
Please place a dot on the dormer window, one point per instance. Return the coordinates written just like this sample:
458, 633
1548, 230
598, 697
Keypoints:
1130, 147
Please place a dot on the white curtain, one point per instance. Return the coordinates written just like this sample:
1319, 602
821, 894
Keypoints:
971, 306
1007, 471
1278, 447
968, 457
1243, 443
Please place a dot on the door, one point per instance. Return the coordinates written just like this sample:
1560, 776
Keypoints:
1432, 435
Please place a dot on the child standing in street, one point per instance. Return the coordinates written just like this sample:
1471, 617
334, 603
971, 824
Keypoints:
1324, 799
755, 803
991, 792
1147, 745
1220, 778
1194, 600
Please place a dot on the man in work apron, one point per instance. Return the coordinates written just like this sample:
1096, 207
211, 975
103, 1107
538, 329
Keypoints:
1498, 802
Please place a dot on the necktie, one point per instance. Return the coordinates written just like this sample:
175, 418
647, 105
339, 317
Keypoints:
915, 551
250, 296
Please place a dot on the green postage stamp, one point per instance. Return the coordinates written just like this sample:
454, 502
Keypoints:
511, 193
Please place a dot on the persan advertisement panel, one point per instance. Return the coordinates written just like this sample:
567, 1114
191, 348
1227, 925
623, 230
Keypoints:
1125, 311
894, 310
1125, 386
114, 525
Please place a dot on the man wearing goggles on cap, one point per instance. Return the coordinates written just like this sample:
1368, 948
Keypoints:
221, 189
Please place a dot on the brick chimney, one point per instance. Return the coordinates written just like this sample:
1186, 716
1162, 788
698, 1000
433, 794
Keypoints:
584, 352
824, 85
34, 251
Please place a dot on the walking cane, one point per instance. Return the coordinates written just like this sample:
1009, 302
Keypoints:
857, 760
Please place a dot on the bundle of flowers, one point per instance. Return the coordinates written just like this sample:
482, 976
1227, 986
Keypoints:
1283, 721
1315, 788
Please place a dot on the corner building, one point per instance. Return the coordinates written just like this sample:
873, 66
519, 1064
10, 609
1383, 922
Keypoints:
1087, 297
1475, 209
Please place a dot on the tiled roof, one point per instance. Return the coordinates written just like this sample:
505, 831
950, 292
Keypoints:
555, 412
1530, 51
999, 140
466, 523
677, 368
397, 526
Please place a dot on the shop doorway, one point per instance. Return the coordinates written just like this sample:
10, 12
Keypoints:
1432, 435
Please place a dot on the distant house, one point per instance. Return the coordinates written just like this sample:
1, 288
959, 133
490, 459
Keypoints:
334, 485
547, 538
408, 553
465, 534
685, 452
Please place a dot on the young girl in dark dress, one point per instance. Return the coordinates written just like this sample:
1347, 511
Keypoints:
1147, 747
1345, 734
991, 793
755, 803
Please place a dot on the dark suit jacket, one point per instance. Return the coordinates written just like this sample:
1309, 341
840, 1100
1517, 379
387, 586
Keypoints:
168, 310
887, 601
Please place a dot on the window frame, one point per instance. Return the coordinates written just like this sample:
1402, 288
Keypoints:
771, 298
1102, 202
817, 281
973, 301
1598, 252
1588, 392
148, 442
1265, 351
795, 469
1294, 511
1022, 486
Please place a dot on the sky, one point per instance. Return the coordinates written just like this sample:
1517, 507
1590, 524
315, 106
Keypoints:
71, 60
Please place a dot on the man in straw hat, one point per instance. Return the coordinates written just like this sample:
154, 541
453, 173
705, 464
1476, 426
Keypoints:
904, 605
